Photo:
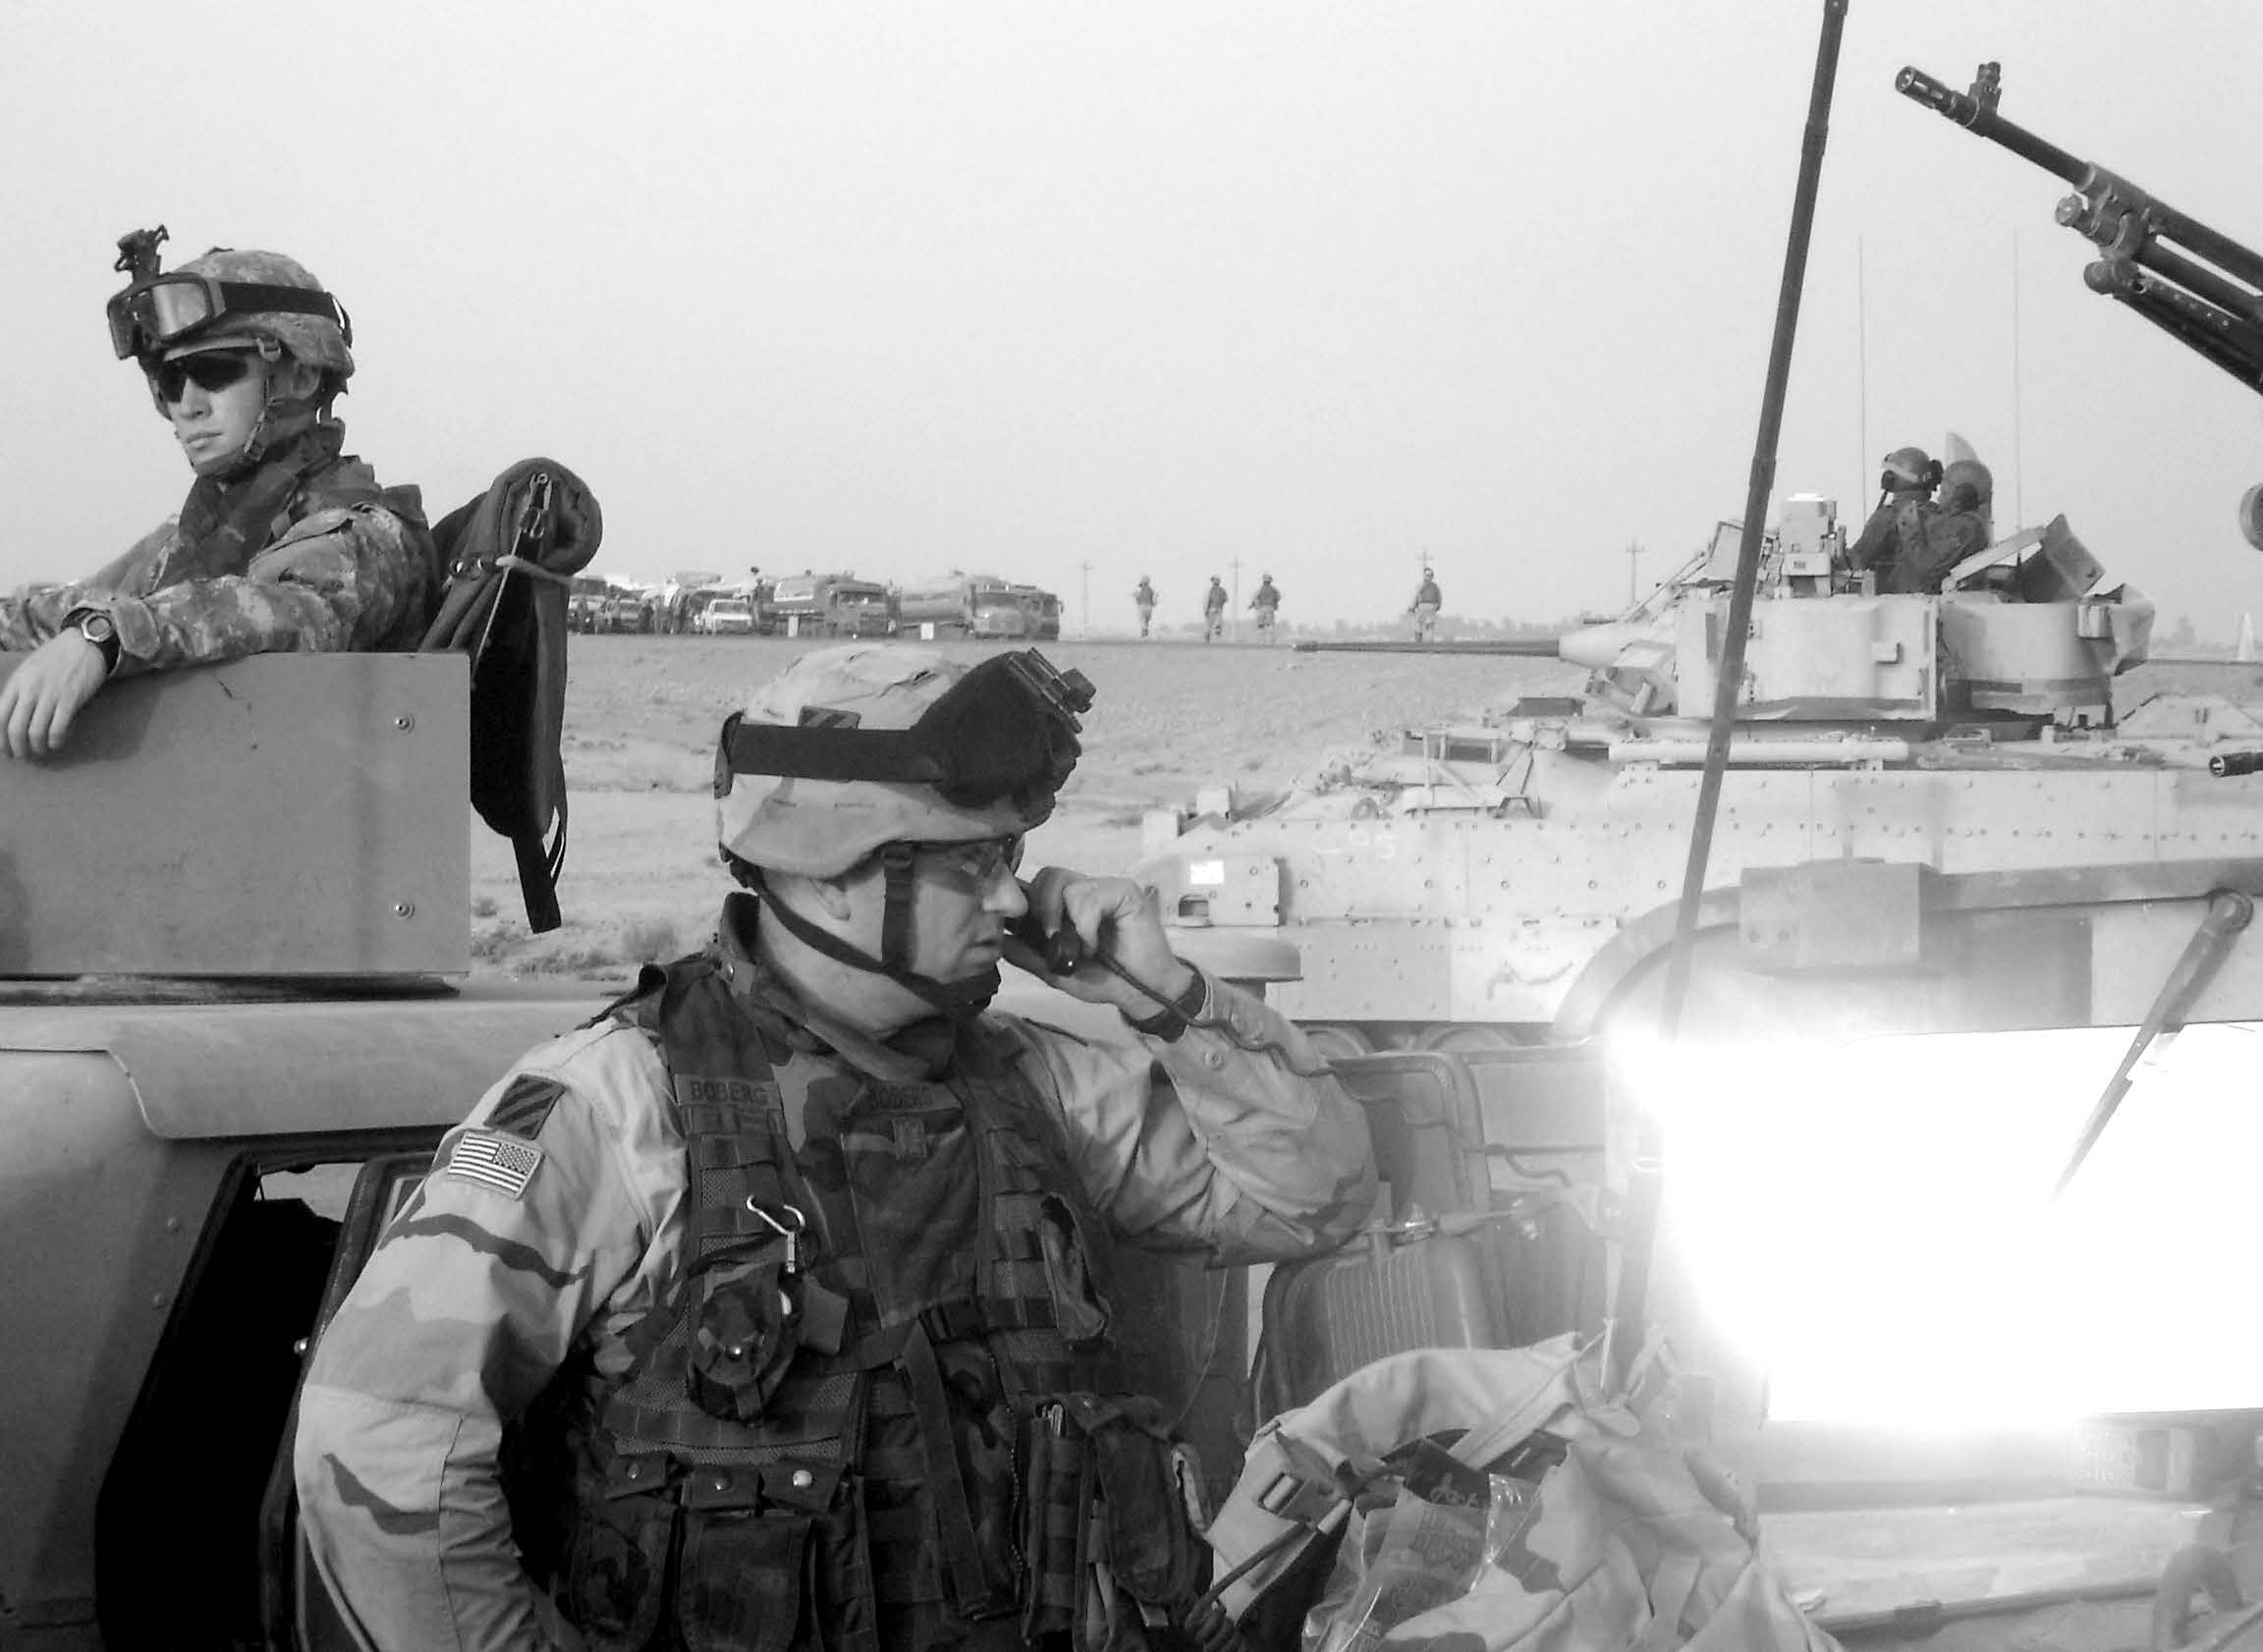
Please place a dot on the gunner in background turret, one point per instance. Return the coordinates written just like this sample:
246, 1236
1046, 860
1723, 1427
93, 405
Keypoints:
1896, 529
285, 542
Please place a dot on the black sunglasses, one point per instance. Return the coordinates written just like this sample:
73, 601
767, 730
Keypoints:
211, 370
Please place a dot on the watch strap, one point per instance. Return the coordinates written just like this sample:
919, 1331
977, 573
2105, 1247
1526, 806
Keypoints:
104, 637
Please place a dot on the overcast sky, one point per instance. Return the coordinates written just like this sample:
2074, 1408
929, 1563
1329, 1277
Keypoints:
1327, 288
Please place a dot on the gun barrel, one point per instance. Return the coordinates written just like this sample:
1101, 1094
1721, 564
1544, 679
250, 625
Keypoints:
1971, 113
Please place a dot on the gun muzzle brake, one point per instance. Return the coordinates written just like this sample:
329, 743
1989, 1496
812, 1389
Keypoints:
2226, 763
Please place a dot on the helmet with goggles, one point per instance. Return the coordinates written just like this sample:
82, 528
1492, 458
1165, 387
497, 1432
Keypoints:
231, 299
851, 750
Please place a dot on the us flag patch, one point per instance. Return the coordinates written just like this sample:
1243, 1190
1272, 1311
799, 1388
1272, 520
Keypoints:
505, 1163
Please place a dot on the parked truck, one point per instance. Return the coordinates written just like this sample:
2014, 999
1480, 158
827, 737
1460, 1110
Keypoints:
981, 605
832, 605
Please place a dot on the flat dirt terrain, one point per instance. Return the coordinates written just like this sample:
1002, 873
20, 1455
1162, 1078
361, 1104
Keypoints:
641, 877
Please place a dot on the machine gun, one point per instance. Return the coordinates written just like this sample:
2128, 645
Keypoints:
2194, 283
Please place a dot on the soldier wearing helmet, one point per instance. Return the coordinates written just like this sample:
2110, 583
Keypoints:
1896, 529
1267, 602
1428, 600
1214, 610
1959, 528
796, 1249
285, 541
1143, 599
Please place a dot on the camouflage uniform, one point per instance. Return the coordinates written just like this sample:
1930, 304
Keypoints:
1266, 601
1428, 600
1894, 535
342, 566
560, 1231
1946, 538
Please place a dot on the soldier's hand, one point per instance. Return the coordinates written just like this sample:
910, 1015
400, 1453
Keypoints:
44, 694
1112, 916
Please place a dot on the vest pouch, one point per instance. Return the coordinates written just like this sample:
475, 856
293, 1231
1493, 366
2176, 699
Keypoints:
748, 1328
1112, 1523
617, 1560
765, 1553
1080, 1313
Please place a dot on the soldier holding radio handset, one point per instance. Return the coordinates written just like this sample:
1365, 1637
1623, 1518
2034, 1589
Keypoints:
799, 1253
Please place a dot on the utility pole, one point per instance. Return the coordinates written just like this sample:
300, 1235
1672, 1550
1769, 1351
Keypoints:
1234, 618
1633, 555
1087, 568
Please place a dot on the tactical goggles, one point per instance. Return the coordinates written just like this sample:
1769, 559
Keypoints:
151, 314
211, 370
1007, 729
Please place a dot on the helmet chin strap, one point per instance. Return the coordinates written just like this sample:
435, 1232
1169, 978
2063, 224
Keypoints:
958, 1000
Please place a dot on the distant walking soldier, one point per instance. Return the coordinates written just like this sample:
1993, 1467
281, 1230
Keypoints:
1267, 599
1427, 601
1214, 611
1144, 598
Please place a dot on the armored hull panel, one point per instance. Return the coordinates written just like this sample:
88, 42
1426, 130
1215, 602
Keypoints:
281, 815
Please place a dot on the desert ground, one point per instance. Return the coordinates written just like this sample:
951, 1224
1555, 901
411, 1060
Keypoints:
642, 878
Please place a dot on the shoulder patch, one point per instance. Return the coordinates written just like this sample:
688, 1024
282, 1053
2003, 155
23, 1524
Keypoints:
505, 1163
526, 1105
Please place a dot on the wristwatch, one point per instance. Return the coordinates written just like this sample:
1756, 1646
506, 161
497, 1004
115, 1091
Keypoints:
99, 628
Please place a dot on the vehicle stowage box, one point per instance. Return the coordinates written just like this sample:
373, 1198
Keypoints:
288, 814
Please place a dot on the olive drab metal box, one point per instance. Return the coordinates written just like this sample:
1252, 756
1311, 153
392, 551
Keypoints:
278, 816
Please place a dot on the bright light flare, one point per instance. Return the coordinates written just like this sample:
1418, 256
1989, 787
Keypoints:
1871, 1223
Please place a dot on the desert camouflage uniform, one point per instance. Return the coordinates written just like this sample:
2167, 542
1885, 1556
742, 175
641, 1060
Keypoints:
480, 1293
346, 567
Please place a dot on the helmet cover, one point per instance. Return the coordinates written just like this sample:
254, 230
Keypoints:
316, 340
824, 828
1911, 467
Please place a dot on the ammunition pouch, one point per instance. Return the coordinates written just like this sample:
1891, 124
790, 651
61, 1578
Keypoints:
761, 1547
1111, 1523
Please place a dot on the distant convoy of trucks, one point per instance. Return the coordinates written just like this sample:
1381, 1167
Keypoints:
976, 605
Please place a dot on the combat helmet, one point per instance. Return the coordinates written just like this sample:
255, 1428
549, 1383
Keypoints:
862, 751
225, 300
232, 300
1969, 473
1910, 469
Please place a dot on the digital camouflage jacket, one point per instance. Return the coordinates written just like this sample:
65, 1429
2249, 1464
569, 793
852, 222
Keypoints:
552, 1228
340, 566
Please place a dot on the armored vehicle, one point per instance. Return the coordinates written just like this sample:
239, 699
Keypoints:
1511, 880
234, 959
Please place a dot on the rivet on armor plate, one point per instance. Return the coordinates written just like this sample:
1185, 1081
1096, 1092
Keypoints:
802, 1479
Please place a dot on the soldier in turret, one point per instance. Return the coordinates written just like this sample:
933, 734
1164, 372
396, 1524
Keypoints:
285, 542
1959, 528
1896, 529
797, 1251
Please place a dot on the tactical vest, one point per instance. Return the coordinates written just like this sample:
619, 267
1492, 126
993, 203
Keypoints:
815, 1442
